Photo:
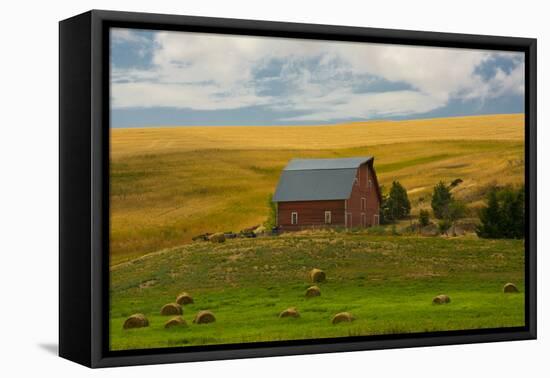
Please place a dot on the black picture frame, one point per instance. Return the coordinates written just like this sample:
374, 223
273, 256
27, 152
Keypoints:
84, 186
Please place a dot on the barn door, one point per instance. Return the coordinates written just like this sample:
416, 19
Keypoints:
348, 220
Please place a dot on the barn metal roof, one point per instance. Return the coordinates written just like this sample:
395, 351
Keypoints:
317, 179
345, 163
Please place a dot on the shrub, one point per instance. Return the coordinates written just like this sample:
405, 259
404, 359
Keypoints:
424, 218
444, 225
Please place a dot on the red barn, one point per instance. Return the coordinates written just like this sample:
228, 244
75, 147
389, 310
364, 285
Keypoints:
328, 192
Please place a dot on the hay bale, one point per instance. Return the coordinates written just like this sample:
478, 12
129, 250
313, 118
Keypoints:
171, 309
317, 275
218, 237
342, 317
184, 298
204, 317
313, 291
176, 321
136, 321
510, 288
290, 312
441, 299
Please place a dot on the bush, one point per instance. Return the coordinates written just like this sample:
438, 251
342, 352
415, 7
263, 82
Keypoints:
376, 230
424, 218
444, 225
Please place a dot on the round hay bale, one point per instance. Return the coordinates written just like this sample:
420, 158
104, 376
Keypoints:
176, 321
218, 237
441, 299
204, 317
184, 298
136, 321
510, 288
342, 317
313, 291
317, 275
171, 309
290, 312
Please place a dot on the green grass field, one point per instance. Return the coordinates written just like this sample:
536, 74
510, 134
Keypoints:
170, 184
386, 282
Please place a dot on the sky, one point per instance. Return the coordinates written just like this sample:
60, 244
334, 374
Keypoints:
161, 78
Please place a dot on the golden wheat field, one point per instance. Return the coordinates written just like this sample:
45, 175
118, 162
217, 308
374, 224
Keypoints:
171, 183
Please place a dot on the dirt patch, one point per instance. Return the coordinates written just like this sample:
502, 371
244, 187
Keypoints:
147, 284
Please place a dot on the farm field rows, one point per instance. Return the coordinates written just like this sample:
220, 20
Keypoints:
170, 184
386, 282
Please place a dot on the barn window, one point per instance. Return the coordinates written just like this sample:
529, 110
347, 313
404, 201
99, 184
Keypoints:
328, 217
363, 203
294, 217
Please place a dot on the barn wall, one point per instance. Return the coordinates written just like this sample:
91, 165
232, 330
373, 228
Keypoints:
362, 189
310, 213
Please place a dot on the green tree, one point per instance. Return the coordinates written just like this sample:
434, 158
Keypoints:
512, 213
272, 213
384, 216
424, 218
397, 204
504, 215
441, 199
489, 217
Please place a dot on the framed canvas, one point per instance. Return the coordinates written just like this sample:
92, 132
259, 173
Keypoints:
235, 188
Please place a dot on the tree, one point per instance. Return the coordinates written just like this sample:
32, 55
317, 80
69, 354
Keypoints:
397, 205
272, 214
512, 213
384, 213
441, 198
504, 215
424, 218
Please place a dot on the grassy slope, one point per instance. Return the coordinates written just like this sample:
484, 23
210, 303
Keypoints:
386, 282
169, 184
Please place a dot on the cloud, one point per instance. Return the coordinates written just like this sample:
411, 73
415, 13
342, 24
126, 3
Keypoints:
319, 80
120, 35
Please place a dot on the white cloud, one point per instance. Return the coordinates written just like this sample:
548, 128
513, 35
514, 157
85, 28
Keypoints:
209, 72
